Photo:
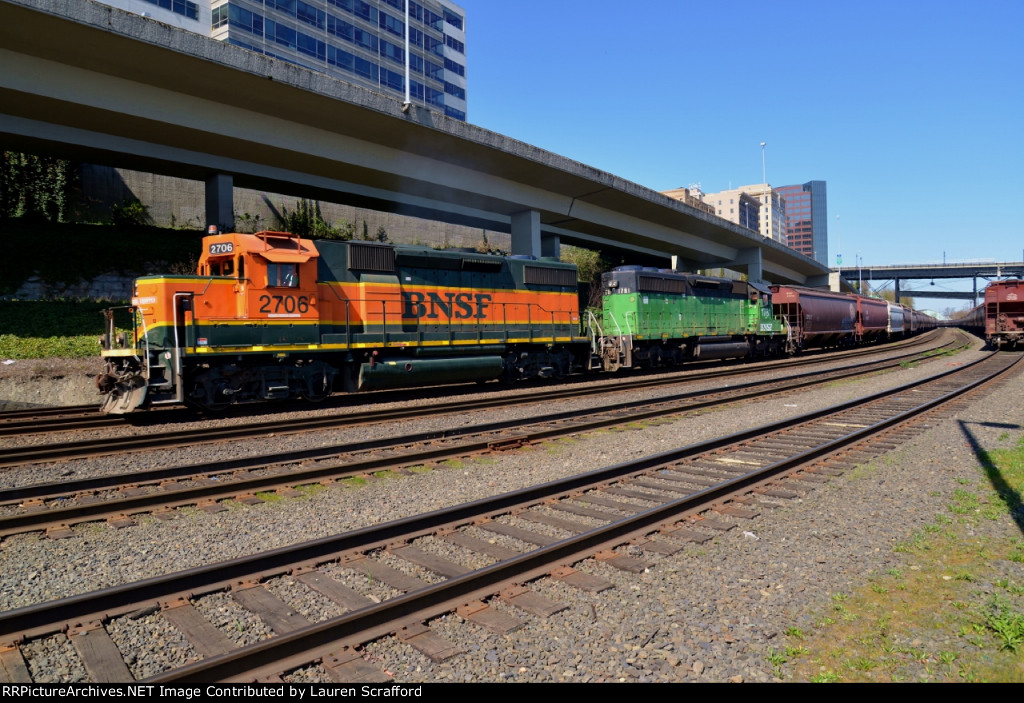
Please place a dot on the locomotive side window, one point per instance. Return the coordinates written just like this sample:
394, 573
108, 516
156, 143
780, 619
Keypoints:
282, 275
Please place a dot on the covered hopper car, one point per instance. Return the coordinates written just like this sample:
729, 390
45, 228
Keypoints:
1000, 318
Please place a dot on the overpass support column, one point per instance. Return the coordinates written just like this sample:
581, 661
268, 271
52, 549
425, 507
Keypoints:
526, 233
830, 281
551, 245
896, 288
220, 203
680, 264
751, 260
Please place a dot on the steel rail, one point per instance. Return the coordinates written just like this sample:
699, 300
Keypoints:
41, 518
318, 641
55, 616
111, 445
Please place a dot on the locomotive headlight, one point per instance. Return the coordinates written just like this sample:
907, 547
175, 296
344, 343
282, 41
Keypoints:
613, 284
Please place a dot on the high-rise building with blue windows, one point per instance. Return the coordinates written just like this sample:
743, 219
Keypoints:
360, 41
807, 219
193, 15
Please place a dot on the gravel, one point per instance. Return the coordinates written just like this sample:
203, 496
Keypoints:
707, 613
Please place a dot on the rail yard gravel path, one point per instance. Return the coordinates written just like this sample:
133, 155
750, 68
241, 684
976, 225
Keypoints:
708, 613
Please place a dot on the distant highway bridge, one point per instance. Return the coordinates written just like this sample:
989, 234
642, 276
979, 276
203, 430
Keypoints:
985, 270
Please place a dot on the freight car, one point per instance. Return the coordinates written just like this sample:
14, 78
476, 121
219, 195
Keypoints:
824, 319
872, 319
921, 322
815, 318
652, 317
272, 316
1001, 317
899, 321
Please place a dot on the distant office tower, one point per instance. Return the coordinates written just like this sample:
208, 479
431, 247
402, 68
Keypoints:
807, 219
748, 206
359, 41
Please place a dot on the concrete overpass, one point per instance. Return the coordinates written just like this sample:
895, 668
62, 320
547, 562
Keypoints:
92, 83
986, 270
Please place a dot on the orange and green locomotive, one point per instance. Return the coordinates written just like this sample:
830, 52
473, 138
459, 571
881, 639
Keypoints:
271, 315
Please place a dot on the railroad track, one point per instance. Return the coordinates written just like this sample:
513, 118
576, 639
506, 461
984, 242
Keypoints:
87, 417
78, 449
624, 515
56, 508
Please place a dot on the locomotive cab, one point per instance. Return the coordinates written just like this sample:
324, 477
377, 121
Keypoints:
251, 293
274, 280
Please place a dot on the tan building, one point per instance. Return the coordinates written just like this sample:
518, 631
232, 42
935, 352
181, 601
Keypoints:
692, 197
747, 206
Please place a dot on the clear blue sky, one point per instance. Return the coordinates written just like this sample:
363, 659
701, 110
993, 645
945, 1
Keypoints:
911, 111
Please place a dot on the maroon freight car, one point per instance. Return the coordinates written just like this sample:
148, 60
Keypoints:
1004, 314
872, 319
815, 318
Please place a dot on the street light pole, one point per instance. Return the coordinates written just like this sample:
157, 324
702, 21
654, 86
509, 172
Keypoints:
839, 245
764, 194
408, 87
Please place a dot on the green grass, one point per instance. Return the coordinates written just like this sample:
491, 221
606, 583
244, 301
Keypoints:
33, 329
938, 594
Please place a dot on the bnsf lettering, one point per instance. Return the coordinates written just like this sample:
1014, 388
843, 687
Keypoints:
451, 306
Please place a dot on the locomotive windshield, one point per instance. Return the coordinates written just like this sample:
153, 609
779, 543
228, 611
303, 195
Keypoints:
225, 267
284, 275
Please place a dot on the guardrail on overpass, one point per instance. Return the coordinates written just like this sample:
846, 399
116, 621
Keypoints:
986, 270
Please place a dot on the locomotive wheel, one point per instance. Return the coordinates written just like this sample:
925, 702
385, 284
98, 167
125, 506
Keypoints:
318, 388
198, 400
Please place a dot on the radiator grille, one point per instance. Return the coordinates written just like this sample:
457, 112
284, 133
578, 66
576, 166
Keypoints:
541, 276
370, 257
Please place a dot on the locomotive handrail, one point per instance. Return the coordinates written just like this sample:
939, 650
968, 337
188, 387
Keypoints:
179, 386
595, 330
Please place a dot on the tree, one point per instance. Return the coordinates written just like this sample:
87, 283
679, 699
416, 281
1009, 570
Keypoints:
590, 265
890, 295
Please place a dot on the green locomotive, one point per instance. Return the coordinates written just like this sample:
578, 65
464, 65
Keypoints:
652, 317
